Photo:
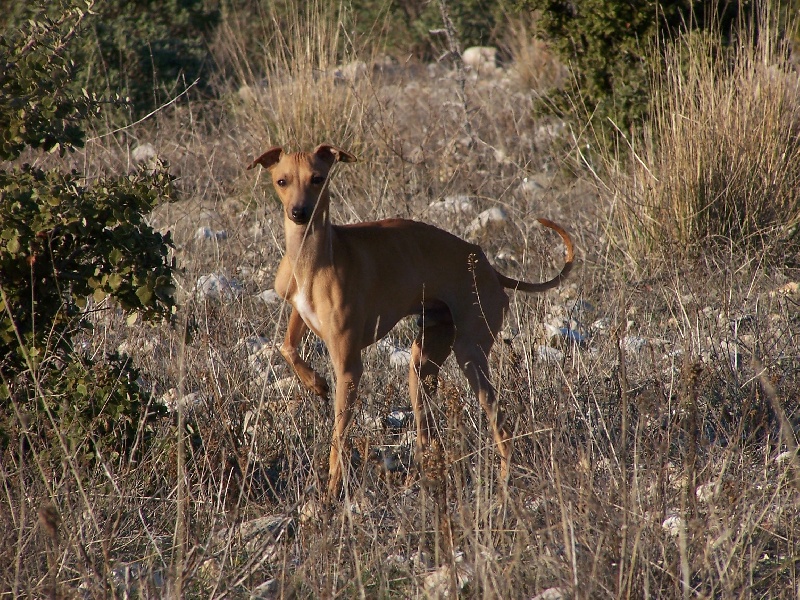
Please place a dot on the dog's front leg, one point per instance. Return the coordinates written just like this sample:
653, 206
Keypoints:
348, 366
308, 376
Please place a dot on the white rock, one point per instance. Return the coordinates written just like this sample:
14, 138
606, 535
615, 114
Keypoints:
482, 59
206, 233
566, 334
601, 324
398, 561
530, 187
454, 205
144, 153
553, 593
268, 590
633, 344
217, 287
784, 457
400, 358
673, 525
255, 343
549, 355
437, 584
351, 72
705, 492
269, 296
172, 400
492, 219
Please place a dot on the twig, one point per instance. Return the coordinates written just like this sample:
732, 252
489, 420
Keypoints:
147, 116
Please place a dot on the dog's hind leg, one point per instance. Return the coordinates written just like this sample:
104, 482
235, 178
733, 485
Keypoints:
432, 346
473, 359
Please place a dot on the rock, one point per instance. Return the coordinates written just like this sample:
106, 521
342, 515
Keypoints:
259, 536
530, 187
171, 400
351, 72
269, 296
400, 358
553, 593
549, 355
673, 525
144, 153
399, 418
269, 590
255, 343
784, 458
206, 233
438, 583
217, 287
453, 205
705, 492
481, 59
487, 223
565, 334
633, 344
390, 460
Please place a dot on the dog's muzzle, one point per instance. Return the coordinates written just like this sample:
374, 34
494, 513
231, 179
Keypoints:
300, 215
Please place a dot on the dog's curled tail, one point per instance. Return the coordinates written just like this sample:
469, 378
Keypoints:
524, 286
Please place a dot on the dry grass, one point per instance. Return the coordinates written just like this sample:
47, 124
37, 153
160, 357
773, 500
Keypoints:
646, 460
721, 164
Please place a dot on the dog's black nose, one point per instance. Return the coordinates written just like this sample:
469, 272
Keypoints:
300, 214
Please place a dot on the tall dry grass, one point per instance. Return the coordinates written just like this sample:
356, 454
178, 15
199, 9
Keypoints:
652, 471
719, 164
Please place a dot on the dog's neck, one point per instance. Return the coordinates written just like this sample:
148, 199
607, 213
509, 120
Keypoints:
309, 248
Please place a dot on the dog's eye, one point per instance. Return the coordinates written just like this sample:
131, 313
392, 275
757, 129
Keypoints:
281, 182
317, 180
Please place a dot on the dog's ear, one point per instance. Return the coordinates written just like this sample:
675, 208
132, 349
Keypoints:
331, 154
268, 159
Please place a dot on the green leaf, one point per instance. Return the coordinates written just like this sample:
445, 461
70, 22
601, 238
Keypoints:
114, 281
132, 318
145, 294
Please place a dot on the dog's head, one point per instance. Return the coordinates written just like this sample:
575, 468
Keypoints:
301, 178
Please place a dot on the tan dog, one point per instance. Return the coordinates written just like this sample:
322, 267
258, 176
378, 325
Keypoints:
350, 284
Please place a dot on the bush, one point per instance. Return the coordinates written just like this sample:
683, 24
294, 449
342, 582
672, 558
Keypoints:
609, 45
67, 246
721, 166
142, 50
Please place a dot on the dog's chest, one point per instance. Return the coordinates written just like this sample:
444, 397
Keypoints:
303, 306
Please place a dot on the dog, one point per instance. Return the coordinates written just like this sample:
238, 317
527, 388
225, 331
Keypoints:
350, 284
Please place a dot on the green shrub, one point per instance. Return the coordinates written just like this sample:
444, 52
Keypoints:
141, 50
67, 246
609, 45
